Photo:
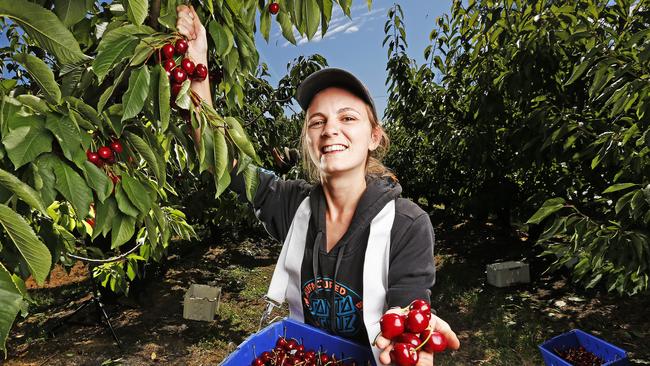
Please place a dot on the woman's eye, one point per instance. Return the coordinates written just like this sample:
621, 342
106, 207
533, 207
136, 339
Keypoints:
348, 118
315, 123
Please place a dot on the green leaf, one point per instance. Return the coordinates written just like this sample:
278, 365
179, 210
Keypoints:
123, 202
240, 138
22, 190
222, 37
183, 99
73, 187
143, 51
345, 6
619, 187
45, 28
70, 11
105, 212
326, 14
623, 201
98, 180
68, 135
114, 47
133, 99
287, 27
164, 94
549, 207
122, 230
42, 75
251, 180
221, 173
10, 304
103, 99
147, 154
265, 24
6, 85
28, 141
45, 167
137, 10
137, 193
86, 111
35, 254
234, 5
312, 17
578, 71
35, 103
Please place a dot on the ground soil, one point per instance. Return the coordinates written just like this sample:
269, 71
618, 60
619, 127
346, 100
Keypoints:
497, 326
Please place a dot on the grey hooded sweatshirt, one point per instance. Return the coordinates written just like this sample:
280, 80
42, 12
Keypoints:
334, 279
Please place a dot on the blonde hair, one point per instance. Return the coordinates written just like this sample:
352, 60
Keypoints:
374, 165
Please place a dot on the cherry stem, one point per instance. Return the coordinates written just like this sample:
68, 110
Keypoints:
426, 340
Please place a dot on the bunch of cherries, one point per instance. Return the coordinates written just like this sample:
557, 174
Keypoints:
289, 352
409, 330
105, 154
186, 70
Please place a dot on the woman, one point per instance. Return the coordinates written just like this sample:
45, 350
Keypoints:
352, 247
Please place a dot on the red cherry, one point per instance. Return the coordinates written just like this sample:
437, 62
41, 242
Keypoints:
93, 157
181, 47
116, 146
274, 8
179, 75
416, 322
176, 88
257, 362
408, 338
281, 343
169, 64
168, 51
421, 305
324, 358
391, 325
115, 178
188, 66
404, 354
200, 72
105, 153
291, 345
436, 343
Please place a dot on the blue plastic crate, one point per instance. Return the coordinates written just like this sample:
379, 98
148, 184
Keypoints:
312, 338
612, 355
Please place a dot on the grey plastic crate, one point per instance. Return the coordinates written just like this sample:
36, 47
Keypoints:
201, 302
507, 273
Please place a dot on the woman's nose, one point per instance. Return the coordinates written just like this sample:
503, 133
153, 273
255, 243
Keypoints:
330, 128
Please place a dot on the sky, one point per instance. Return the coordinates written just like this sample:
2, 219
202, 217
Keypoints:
355, 44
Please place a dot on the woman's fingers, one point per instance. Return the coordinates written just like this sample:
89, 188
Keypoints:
425, 359
444, 328
382, 342
185, 21
384, 356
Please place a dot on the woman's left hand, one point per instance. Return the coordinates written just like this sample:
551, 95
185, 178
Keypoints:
424, 358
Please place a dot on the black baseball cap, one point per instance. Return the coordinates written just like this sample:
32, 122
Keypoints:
332, 77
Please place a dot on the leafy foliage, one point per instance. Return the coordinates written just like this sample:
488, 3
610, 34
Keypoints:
523, 103
87, 75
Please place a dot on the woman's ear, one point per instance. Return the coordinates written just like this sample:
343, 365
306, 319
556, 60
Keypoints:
375, 138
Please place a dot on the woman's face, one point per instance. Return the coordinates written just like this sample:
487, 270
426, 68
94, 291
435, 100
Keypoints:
339, 133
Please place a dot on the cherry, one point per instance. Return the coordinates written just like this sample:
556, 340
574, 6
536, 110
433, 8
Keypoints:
181, 47
216, 75
168, 51
200, 72
436, 343
391, 325
416, 322
257, 362
324, 358
188, 66
93, 157
105, 153
408, 338
274, 8
291, 345
169, 64
266, 356
115, 178
421, 305
116, 146
179, 75
176, 88
281, 343
404, 354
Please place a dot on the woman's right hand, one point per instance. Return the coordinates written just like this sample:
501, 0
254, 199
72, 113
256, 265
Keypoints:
189, 25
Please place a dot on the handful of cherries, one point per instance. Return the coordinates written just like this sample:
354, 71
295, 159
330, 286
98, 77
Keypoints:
178, 73
289, 352
409, 330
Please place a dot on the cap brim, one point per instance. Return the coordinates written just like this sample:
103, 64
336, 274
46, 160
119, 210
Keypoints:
331, 77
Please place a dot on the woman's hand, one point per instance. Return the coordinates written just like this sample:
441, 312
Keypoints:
424, 358
189, 25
